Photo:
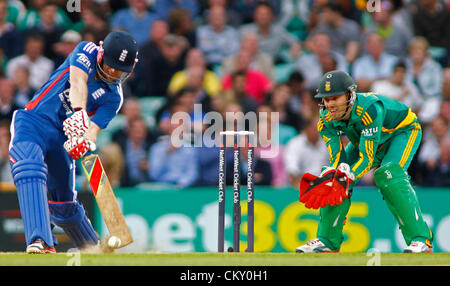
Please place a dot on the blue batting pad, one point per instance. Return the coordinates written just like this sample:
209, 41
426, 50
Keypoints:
71, 217
30, 177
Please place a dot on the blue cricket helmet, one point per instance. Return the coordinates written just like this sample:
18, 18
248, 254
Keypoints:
120, 51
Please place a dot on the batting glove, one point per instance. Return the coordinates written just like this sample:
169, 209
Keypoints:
77, 147
77, 124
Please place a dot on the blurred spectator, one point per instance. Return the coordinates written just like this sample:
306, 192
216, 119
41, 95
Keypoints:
294, 16
233, 17
7, 104
257, 84
10, 39
273, 38
309, 108
39, 66
16, 11
195, 60
172, 163
131, 110
69, 40
246, 8
279, 102
94, 20
431, 20
426, 74
5, 169
163, 7
297, 84
344, 33
209, 165
113, 163
33, 15
444, 109
434, 133
136, 19
312, 63
373, 65
159, 59
395, 34
22, 89
184, 101
48, 28
397, 87
216, 39
135, 150
181, 24
259, 60
305, 153
262, 176
270, 146
238, 94
432, 150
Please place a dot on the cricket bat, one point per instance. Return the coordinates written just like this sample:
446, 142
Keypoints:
106, 200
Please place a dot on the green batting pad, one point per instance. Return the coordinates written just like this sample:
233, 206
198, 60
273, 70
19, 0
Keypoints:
331, 224
402, 201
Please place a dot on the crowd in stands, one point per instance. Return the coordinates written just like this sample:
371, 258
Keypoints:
230, 56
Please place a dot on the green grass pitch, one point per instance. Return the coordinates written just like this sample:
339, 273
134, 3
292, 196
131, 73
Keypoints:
223, 259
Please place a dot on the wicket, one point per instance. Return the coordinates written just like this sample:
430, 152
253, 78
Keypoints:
236, 190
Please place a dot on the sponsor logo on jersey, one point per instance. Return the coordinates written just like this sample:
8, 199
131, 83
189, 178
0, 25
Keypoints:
369, 131
99, 92
64, 97
84, 60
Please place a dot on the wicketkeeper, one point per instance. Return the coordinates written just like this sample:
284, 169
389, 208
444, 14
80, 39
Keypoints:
55, 129
383, 134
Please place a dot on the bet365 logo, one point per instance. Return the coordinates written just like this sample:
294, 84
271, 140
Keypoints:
73, 6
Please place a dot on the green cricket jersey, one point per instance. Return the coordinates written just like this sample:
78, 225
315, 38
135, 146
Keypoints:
375, 119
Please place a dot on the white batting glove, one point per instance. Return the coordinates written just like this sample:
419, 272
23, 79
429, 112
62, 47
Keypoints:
77, 124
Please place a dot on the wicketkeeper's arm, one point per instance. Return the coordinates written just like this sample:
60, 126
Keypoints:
371, 126
332, 141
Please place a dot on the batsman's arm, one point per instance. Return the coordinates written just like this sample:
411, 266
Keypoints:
92, 132
371, 124
78, 92
332, 141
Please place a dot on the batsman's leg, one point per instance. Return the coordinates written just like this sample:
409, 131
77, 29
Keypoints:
394, 184
65, 209
30, 177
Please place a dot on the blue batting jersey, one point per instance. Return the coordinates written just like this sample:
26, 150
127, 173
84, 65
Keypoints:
52, 102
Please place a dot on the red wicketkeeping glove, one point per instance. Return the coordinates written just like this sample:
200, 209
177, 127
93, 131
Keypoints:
314, 191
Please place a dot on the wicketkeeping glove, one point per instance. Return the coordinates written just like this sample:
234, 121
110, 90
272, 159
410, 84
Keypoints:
77, 124
77, 147
315, 191
341, 182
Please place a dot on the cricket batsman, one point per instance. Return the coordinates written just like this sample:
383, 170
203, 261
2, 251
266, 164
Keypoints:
383, 133
55, 129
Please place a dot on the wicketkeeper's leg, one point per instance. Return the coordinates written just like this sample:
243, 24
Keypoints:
332, 218
394, 183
